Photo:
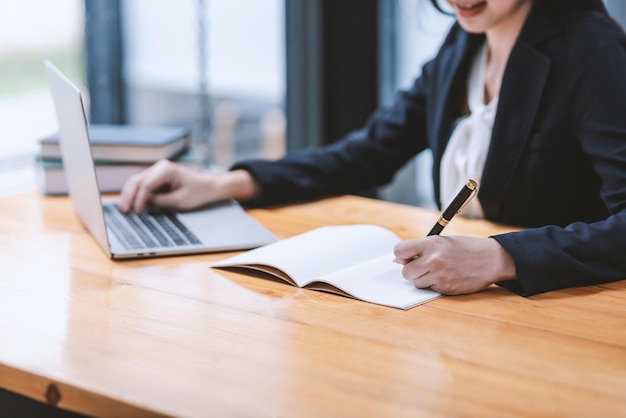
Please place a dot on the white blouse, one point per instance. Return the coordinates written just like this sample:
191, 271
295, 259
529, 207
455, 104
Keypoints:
466, 152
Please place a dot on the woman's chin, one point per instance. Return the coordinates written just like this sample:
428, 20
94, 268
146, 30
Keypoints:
471, 27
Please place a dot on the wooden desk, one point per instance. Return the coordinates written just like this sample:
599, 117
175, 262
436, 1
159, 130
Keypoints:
173, 337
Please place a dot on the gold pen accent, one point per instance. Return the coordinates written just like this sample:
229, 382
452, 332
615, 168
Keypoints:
442, 221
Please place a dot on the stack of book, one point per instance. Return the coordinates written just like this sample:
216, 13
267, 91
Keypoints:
119, 151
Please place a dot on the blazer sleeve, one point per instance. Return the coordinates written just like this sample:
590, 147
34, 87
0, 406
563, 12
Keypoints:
551, 257
363, 159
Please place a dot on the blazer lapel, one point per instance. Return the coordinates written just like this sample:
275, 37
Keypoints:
520, 96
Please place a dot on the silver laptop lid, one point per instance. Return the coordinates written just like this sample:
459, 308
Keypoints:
78, 162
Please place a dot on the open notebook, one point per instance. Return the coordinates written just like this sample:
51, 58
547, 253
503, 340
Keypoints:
350, 260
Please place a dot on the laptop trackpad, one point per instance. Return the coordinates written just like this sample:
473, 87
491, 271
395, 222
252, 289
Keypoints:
226, 224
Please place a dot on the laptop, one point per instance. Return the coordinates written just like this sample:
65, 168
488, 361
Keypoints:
223, 226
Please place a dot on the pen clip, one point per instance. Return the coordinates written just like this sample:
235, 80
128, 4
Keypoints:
469, 199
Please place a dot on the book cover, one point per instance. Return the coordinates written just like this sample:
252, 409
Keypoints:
126, 143
111, 175
350, 260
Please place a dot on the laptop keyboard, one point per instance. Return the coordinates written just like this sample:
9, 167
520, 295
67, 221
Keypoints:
154, 228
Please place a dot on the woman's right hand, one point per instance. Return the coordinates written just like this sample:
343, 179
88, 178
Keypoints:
168, 184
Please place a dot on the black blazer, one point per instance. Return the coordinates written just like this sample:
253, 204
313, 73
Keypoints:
557, 160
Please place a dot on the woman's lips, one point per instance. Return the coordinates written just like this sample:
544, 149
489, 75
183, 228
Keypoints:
468, 9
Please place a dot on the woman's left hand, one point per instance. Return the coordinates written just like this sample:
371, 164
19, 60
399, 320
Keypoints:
454, 265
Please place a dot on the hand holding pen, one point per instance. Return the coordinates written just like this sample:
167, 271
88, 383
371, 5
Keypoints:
454, 264
456, 206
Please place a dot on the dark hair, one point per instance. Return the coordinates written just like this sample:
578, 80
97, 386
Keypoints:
557, 5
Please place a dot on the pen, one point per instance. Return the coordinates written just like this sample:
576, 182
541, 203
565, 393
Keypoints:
458, 203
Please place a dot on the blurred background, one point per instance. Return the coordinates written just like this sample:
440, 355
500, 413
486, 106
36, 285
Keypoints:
250, 78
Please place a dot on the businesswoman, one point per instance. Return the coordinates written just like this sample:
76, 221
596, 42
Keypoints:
527, 97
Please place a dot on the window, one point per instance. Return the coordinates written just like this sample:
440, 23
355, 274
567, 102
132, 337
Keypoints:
420, 31
32, 30
232, 48
617, 9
